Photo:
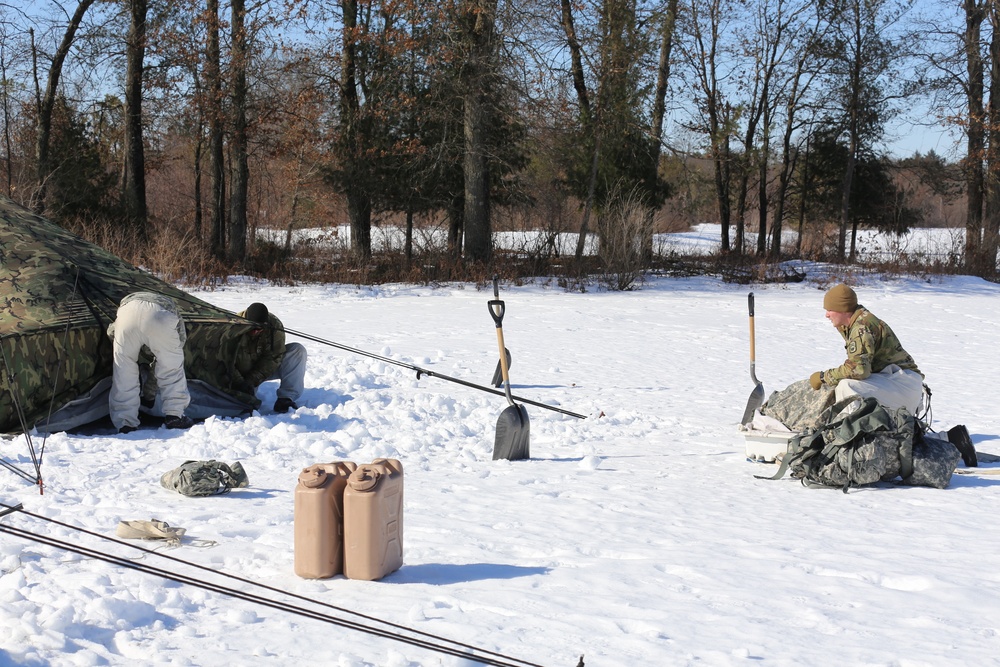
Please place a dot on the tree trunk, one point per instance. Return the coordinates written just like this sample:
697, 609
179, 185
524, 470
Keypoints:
134, 181
975, 134
845, 187
659, 109
198, 149
6, 124
581, 241
237, 250
216, 148
586, 119
991, 223
762, 198
456, 210
408, 243
359, 209
576, 60
721, 157
804, 197
479, 41
47, 103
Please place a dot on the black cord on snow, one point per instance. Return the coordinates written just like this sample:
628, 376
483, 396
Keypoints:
423, 371
424, 640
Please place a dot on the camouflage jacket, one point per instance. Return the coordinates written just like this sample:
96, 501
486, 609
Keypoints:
258, 356
871, 346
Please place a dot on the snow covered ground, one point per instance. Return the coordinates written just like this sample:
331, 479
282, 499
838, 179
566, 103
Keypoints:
640, 537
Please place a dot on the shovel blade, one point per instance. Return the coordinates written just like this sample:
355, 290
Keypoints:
497, 380
753, 403
513, 433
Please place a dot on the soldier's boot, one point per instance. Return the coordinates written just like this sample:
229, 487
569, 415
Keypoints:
959, 436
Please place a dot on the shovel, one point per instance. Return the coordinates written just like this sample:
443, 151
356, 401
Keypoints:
757, 395
513, 427
497, 380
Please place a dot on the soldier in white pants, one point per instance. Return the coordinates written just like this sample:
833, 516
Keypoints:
153, 320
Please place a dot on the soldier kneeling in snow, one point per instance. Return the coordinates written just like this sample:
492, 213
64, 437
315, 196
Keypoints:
263, 355
876, 365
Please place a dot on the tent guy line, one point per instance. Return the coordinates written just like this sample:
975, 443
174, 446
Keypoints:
424, 640
8, 377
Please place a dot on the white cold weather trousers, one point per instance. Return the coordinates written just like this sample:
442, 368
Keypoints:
892, 387
291, 372
145, 323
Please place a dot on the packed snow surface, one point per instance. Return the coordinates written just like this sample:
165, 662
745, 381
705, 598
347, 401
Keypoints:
637, 535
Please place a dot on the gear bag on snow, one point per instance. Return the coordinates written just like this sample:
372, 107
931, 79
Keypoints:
798, 406
861, 442
205, 478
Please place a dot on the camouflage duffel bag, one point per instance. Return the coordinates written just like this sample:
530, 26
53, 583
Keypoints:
205, 478
862, 442
930, 462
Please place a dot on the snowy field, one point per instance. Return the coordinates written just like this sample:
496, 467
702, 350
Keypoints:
636, 538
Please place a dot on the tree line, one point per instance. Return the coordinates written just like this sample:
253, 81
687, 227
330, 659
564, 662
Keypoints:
209, 119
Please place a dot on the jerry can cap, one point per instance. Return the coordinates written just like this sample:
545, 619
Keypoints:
365, 478
313, 476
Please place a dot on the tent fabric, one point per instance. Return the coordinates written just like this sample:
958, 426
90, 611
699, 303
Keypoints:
58, 294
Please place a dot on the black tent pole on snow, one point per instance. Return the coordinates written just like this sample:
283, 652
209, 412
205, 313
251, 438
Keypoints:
423, 371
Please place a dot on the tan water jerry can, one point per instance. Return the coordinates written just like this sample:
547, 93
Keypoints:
319, 519
373, 520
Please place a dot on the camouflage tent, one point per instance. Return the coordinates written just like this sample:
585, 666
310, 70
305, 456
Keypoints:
58, 294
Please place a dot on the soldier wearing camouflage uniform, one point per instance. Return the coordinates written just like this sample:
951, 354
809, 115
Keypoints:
264, 355
876, 365
151, 320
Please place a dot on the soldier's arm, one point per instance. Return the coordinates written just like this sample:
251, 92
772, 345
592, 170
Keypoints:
858, 366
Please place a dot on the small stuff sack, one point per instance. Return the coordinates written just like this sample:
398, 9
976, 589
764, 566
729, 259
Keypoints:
205, 478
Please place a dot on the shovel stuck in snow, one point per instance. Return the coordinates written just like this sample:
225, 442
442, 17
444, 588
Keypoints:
757, 395
513, 427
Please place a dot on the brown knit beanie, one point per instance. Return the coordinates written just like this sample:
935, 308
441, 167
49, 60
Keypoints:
840, 299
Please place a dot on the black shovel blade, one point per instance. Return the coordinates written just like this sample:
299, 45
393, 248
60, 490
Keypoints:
513, 432
497, 380
753, 403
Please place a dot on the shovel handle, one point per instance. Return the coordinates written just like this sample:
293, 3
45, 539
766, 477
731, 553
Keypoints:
752, 337
496, 311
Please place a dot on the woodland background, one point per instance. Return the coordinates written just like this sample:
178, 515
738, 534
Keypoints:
173, 132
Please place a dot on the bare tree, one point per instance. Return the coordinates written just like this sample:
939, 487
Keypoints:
975, 178
237, 236
991, 221
705, 24
134, 172
46, 103
867, 52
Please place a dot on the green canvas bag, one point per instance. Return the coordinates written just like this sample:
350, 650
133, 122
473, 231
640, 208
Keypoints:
205, 478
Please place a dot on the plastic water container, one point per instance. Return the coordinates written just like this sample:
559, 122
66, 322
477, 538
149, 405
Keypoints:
373, 520
319, 519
